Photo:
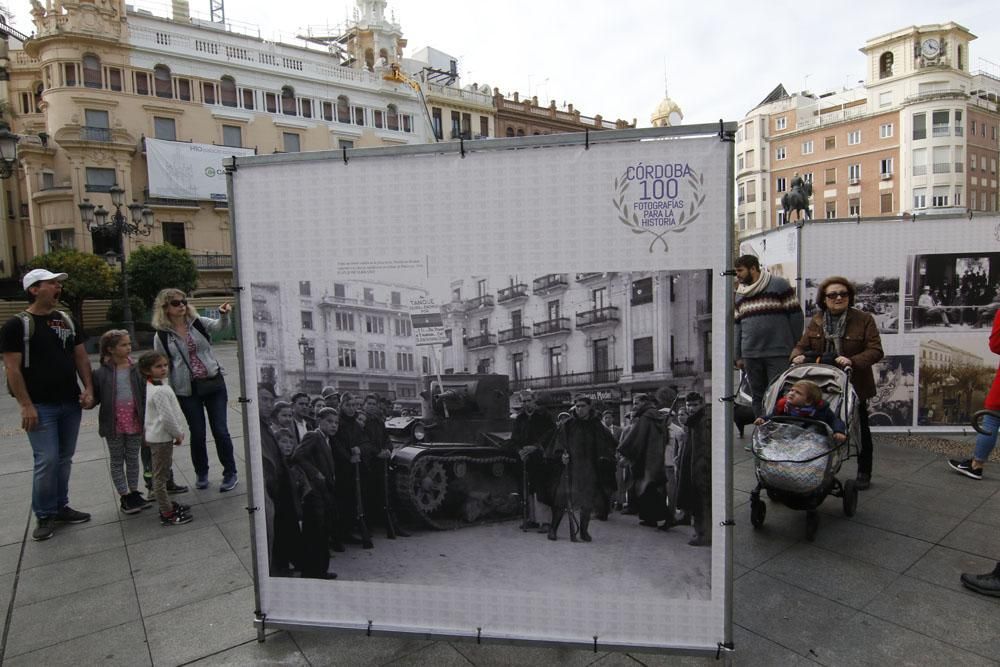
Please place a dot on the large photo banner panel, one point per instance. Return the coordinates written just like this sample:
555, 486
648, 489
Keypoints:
777, 251
933, 287
486, 315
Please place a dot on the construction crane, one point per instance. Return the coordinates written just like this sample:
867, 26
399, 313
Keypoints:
396, 75
8, 31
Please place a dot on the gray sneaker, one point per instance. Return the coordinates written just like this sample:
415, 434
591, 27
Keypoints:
45, 528
69, 515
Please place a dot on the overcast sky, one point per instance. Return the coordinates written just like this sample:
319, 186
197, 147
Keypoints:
719, 59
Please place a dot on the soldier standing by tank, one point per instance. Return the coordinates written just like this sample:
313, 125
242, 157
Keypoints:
348, 443
280, 510
695, 468
580, 444
643, 447
532, 432
374, 459
317, 479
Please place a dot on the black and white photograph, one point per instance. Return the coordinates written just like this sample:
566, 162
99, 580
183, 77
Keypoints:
955, 376
514, 430
957, 291
895, 386
876, 294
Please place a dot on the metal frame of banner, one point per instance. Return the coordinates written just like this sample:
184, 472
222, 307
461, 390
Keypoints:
724, 131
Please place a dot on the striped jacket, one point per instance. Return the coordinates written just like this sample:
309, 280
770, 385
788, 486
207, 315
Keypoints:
768, 324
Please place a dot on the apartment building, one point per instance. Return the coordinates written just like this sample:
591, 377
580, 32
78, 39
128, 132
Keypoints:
900, 143
353, 335
606, 335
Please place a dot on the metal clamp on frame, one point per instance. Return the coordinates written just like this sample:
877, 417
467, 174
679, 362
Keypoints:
723, 646
724, 134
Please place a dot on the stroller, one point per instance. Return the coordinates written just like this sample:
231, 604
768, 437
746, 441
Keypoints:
796, 459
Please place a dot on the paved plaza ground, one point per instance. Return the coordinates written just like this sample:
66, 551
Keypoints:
880, 588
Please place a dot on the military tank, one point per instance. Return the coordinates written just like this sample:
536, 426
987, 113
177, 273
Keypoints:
453, 466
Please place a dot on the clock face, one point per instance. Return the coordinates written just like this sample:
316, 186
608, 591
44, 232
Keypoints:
674, 118
931, 48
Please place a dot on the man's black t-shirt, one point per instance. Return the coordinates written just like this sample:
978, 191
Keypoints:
51, 375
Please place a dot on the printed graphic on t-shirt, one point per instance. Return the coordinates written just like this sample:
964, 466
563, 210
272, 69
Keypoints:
61, 329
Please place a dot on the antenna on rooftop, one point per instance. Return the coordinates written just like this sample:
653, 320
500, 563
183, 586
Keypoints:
218, 11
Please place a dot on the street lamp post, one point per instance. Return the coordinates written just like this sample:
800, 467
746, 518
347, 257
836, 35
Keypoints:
306, 350
8, 150
118, 227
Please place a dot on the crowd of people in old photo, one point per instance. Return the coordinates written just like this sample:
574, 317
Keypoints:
581, 464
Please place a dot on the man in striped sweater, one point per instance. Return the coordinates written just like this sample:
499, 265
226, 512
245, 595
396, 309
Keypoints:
769, 322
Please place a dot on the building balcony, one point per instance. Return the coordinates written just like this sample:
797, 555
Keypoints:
479, 303
88, 133
589, 378
513, 335
590, 277
549, 283
212, 262
513, 294
597, 317
553, 326
682, 367
480, 341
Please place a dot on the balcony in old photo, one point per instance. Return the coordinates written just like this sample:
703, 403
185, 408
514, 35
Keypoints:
585, 379
597, 317
550, 283
513, 334
591, 277
513, 294
484, 339
554, 326
483, 302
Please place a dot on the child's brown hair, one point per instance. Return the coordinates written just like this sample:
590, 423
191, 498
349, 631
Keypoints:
110, 340
812, 391
147, 361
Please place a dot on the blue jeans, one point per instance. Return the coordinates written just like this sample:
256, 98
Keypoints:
53, 443
986, 443
194, 409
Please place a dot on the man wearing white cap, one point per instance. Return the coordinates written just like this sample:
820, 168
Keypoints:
43, 353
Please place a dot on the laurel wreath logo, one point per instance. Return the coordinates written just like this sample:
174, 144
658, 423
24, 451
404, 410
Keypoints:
631, 220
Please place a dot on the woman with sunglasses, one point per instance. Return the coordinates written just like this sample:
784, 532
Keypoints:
848, 338
196, 378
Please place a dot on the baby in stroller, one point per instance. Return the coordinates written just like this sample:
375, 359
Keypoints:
805, 399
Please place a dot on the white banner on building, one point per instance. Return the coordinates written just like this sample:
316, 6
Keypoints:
182, 170
570, 271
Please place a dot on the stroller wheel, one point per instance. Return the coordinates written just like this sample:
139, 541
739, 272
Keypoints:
850, 497
758, 510
812, 523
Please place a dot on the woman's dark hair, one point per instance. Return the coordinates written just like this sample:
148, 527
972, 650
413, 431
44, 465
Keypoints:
834, 280
147, 360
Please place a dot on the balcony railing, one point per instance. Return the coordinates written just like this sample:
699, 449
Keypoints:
553, 326
88, 133
513, 292
942, 167
605, 376
202, 262
597, 316
550, 282
584, 277
485, 301
682, 367
482, 340
919, 169
513, 334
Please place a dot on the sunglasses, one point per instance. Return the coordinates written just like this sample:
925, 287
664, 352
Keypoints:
837, 295
178, 302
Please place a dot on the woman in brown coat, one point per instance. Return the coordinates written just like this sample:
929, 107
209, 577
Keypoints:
848, 337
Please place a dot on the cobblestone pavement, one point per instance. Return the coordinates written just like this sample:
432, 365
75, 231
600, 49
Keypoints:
880, 588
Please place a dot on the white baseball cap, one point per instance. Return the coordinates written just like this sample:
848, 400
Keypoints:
38, 275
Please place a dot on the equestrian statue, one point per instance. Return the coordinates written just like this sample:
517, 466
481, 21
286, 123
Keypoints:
797, 199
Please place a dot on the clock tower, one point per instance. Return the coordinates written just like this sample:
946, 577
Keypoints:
911, 51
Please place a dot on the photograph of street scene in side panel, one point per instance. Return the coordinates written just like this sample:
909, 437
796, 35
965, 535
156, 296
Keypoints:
957, 291
480, 423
